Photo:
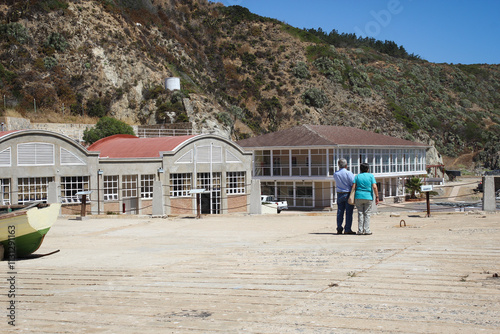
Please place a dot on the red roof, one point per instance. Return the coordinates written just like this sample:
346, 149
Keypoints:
324, 135
4, 133
128, 146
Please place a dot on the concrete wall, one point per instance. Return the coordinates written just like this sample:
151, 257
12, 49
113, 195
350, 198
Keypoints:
73, 131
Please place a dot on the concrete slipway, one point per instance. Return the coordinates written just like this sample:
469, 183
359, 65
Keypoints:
287, 273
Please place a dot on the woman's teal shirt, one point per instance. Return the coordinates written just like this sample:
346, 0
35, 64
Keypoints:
364, 188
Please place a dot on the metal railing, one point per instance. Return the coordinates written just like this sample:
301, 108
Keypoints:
152, 133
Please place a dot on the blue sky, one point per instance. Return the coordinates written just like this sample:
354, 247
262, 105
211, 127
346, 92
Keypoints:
440, 31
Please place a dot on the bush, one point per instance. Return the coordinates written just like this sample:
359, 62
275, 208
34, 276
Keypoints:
49, 62
105, 127
97, 108
301, 71
237, 112
225, 118
57, 42
315, 97
16, 31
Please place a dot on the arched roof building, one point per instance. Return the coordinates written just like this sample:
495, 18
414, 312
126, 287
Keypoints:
122, 172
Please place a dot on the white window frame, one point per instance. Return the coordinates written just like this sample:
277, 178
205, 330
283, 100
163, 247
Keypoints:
180, 184
129, 186
235, 183
111, 187
70, 185
31, 189
5, 191
147, 182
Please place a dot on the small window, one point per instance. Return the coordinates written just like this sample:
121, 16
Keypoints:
5, 191
31, 189
110, 187
180, 184
70, 185
147, 185
129, 186
235, 182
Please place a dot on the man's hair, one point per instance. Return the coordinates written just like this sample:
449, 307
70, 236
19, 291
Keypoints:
364, 167
342, 163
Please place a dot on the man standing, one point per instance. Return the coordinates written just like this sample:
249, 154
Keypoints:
343, 184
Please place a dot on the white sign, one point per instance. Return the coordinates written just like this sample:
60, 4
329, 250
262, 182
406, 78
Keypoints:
426, 188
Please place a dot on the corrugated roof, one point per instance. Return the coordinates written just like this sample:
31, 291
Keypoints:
128, 146
324, 135
4, 133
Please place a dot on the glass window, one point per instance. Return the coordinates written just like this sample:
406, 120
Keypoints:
262, 163
386, 161
70, 185
129, 186
213, 184
30, 189
110, 187
147, 185
5, 191
235, 182
354, 161
180, 184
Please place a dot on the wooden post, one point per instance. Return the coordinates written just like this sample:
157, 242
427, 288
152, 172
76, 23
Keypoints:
427, 196
84, 205
198, 205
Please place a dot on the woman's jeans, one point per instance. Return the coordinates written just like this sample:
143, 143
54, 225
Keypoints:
364, 207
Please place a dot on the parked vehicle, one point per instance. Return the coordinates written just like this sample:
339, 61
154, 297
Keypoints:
280, 205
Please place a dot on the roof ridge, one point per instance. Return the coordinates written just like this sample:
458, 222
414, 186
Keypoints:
308, 127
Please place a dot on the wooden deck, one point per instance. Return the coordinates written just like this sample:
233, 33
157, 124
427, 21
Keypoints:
287, 273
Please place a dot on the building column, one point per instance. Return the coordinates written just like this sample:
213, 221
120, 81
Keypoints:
158, 203
489, 202
255, 191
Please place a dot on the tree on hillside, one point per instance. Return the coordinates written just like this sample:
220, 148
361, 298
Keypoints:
105, 127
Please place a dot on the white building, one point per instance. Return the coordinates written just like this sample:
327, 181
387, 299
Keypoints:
297, 164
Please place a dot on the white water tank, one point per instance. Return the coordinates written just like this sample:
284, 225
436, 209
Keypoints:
173, 83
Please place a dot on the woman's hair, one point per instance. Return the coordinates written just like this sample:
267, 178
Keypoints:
364, 167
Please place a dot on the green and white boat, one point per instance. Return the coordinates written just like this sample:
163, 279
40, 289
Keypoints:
23, 230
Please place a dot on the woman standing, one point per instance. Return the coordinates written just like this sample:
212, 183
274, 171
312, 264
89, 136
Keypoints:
365, 187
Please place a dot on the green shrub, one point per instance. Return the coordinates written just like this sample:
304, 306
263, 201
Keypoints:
50, 5
105, 127
225, 118
57, 42
237, 112
97, 108
315, 97
6, 76
49, 62
16, 31
301, 71
153, 92
301, 34
314, 52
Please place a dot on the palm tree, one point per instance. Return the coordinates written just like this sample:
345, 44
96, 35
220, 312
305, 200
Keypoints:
413, 185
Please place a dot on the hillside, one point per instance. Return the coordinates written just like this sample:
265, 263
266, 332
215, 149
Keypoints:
243, 74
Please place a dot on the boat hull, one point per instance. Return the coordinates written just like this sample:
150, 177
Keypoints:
22, 232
